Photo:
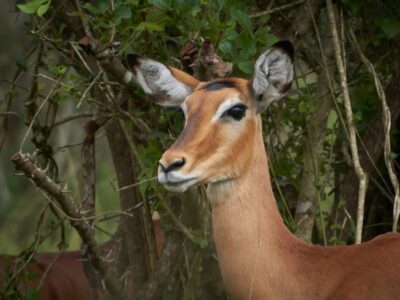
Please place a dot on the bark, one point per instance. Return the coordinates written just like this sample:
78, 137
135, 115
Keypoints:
88, 204
130, 239
308, 198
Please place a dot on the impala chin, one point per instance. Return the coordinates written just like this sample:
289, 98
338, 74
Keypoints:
176, 182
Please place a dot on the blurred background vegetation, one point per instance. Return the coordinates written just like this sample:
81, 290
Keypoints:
308, 148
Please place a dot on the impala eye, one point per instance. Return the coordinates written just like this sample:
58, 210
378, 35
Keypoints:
237, 112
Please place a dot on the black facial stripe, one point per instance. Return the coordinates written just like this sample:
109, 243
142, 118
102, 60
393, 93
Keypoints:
132, 60
218, 85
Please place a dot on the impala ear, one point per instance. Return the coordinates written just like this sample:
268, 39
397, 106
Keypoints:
168, 85
273, 74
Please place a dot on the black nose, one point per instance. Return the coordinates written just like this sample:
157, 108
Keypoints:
177, 164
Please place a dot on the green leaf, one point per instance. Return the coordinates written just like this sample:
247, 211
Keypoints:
161, 4
151, 26
302, 107
31, 7
225, 47
391, 27
124, 12
101, 6
245, 41
270, 39
43, 9
61, 69
242, 18
332, 118
246, 66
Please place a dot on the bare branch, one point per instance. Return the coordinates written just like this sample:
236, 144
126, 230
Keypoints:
350, 122
386, 119
276, 9
71, 118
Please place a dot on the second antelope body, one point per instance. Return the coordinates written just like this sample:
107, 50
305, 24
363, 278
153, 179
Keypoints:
222, 146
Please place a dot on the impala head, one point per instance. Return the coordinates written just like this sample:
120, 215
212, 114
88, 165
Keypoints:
222, 116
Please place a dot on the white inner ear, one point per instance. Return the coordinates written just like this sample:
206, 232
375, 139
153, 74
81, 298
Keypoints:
273, 72
156, 79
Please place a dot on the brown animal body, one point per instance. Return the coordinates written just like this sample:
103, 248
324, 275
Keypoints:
66, 279
222, 146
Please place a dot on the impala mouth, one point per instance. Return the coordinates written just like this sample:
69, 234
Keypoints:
180, 186
176, 183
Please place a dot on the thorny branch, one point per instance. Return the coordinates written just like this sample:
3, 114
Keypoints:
26, 164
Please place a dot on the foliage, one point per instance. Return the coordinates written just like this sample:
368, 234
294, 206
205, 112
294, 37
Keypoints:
159, 29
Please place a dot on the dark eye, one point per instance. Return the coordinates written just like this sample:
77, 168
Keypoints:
237, 112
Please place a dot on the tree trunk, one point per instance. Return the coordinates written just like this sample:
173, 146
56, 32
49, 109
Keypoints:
308, 199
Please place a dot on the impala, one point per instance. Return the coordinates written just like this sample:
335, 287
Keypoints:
221, 146
65, 278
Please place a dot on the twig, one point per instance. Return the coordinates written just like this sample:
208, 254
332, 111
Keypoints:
85, 24
136, 184
20, 87
78, 143
51, 93
48, 78
350, 123
72, 117
81, 58
49, 268
276, 9
98, 218
88, 89
4, 123
176, 220
29, 253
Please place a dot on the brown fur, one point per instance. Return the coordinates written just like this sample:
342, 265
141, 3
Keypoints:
259, 257
66, 280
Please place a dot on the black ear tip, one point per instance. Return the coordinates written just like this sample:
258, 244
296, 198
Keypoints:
132, 60
286, 46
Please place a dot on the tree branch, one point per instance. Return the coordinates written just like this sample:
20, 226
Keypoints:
88, 203
386, 119
26, 164
350, 122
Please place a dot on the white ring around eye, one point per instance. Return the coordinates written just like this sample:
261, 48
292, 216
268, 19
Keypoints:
226, 105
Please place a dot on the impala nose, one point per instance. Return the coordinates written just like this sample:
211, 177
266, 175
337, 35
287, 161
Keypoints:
175, 165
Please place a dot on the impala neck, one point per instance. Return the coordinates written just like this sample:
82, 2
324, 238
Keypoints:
256, 251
